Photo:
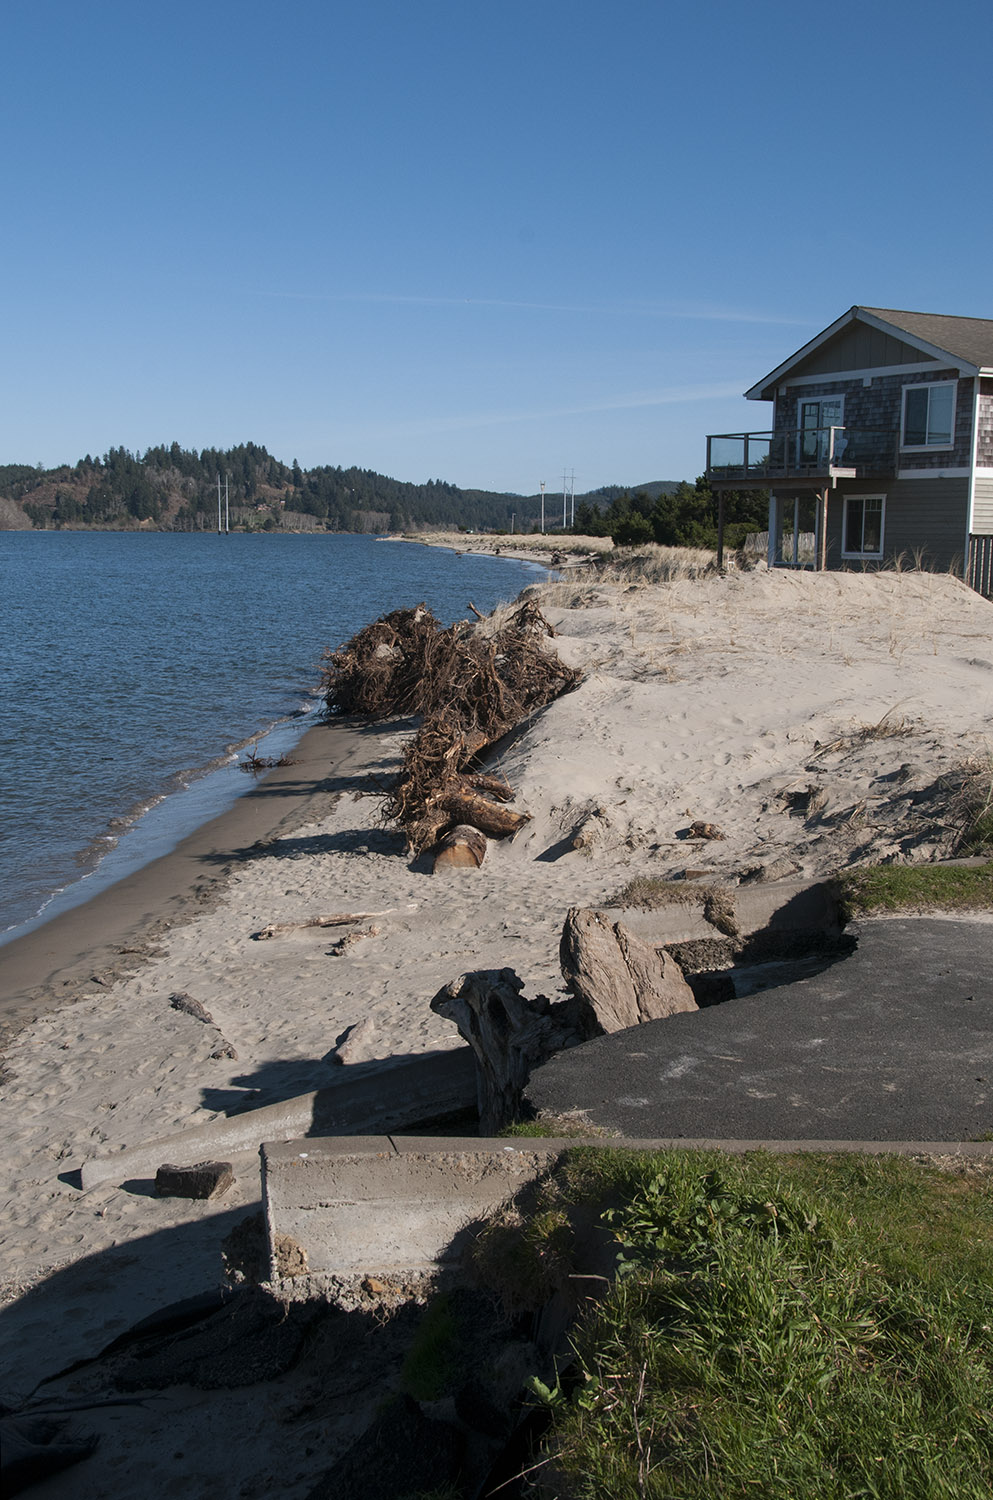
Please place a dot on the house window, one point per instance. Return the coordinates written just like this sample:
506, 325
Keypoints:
863, 526
928, 415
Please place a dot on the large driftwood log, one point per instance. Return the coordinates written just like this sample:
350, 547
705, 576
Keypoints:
509, 1034
466, 806
462, 849
618, 980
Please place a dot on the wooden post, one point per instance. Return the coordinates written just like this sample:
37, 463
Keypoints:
822, 500
720, 529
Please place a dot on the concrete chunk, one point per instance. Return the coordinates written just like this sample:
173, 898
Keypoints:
207, 1179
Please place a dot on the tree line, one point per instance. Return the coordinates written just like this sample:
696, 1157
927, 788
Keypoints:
176, 488
681, 515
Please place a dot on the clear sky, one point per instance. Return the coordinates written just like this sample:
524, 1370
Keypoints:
475, 242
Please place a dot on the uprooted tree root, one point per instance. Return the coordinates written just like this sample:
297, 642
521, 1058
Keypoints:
471, 689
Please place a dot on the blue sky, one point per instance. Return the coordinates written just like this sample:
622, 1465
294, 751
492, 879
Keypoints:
481, 243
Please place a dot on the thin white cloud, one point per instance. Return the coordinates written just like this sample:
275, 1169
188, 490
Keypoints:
632, 401
695, 313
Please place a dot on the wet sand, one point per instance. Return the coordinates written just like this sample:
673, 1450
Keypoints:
97, 942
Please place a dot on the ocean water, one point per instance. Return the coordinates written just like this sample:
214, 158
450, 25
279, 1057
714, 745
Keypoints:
133, 666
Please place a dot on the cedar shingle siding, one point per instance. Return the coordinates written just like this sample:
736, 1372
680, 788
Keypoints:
984, 448
878, 407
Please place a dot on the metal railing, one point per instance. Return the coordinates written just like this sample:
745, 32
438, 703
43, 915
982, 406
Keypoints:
801, 452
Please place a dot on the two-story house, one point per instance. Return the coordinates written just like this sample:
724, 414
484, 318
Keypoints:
880, 446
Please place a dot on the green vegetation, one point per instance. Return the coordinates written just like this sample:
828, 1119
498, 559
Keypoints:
866, 891
431, 1360
815, 1326
682, 515
173, 488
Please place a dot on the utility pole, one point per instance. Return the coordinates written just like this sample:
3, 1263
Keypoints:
565, 481
543, 507
227, 512
218, 505
572, 496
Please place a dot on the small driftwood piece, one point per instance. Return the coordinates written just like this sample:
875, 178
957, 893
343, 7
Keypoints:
494, 786
462, 849
617, 979
509, 1035
591, 830
357, 1044
337, 919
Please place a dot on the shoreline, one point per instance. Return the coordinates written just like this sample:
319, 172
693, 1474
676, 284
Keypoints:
97, 941
815, 721
539, 548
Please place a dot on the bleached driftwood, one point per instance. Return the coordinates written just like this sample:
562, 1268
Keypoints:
509, 1035
617, 979
337, 919
591, 830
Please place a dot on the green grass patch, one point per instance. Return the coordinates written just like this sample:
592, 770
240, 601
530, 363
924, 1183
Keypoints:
815, 1326
553, 1127
913, 888
432, 1359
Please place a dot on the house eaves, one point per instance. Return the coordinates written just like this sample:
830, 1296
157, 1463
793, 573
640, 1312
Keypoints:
966, 343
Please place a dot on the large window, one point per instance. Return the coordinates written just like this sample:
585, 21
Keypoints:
863, 526
929, 415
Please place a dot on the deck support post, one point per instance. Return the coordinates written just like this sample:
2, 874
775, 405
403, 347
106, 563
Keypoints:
720, 530
822, 517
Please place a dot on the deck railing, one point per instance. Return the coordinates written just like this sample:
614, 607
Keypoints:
801, 452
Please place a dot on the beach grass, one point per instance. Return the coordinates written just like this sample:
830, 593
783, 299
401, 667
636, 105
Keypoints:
871, 890
780, 1326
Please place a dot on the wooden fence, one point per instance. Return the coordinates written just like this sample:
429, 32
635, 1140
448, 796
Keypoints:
979, 572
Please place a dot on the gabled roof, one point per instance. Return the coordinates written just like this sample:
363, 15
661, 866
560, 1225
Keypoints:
968, 339
965, 342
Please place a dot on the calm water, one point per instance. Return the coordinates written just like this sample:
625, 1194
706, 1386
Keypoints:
131, 664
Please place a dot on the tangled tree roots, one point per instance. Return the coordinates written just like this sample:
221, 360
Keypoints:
470, 687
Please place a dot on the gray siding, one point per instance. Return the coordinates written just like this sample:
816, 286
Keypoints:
877, 407
927, 516
859, 347
982, 512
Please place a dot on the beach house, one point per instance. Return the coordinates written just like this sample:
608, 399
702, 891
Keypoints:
880, 446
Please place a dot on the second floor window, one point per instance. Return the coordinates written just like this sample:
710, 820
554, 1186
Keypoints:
928, 415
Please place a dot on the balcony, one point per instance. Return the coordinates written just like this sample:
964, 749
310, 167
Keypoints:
807, 455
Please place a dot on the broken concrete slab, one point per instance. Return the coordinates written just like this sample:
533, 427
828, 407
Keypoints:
376, 1204
400, 1094
354, 1208
205, 1179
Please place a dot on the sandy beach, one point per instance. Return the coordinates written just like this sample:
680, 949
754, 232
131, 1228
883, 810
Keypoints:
816, 720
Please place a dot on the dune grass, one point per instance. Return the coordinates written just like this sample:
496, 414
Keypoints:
874, 889
815, 1326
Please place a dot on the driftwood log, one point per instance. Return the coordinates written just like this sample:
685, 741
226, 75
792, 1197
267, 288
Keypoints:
337, 919
509, 1035
462, 849
617, 979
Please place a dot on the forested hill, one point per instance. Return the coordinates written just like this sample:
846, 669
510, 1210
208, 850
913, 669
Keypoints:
173, 489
